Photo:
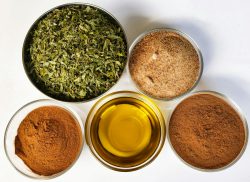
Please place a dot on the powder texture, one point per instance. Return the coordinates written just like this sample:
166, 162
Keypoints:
164, 64
206, 132
48, 140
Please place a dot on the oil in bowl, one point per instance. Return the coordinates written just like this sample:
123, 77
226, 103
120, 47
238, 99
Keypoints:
125, 131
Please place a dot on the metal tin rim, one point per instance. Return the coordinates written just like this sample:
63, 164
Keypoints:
238, 111
188, 38
65, 5
151, 158
72, 112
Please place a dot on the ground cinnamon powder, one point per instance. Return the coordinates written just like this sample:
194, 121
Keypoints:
48, 140
206, 132
164, 64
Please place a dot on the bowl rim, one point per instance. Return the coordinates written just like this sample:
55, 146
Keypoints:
185, 36
49, 102
133, 95
232, 104
62, 6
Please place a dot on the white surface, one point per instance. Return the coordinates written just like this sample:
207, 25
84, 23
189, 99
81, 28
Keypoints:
220, 28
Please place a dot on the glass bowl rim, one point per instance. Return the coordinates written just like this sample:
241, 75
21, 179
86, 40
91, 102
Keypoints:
53, 103
133, 95
184, 35
232, 104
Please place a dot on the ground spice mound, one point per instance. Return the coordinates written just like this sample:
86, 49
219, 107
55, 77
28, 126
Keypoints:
206, 132
164, 64
48, 140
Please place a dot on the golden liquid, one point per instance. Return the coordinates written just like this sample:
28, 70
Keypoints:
125, 132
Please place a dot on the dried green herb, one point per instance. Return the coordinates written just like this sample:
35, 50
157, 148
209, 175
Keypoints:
76, 53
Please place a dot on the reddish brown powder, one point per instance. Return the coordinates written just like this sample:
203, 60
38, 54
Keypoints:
164, 64
49, 140
206, 132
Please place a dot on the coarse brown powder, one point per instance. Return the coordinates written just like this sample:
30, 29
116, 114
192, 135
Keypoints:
206, 132
164, 64
48, 140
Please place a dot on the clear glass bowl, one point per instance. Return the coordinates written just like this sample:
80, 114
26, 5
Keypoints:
235, 107
11, 132
187, 37
123, 94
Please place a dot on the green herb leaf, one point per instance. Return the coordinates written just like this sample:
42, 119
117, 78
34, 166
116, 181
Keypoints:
77, 53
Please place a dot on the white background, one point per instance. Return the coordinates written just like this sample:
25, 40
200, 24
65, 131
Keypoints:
220, 28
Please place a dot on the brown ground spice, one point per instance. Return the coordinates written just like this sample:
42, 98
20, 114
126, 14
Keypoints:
206, 132
48, 140
164, 64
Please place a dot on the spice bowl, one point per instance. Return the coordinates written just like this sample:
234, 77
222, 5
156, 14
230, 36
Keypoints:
125, 131
163, 55
11, 132
223, 116
81, 71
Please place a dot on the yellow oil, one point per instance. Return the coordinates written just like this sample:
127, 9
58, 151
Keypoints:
125, 131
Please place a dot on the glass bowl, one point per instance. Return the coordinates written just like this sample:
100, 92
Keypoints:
91, 127
11, 132
190, 40
231, 103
